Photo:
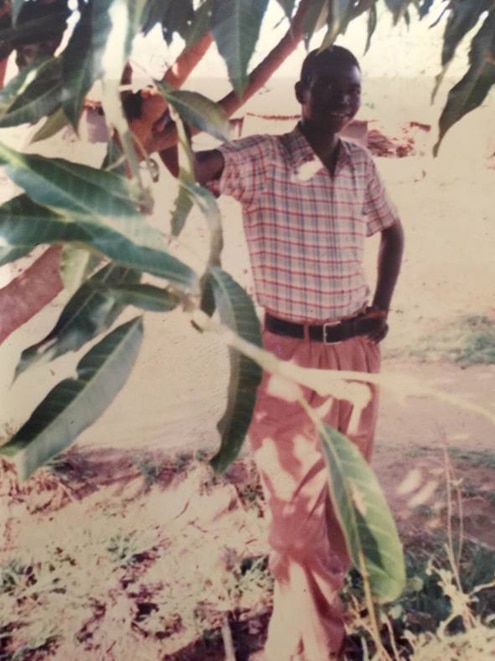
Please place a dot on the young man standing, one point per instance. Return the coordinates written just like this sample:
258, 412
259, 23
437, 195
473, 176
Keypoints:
309, 199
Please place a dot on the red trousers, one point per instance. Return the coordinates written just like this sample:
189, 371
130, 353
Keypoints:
308, 554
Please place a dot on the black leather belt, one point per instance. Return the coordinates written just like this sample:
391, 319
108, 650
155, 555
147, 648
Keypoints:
328, 333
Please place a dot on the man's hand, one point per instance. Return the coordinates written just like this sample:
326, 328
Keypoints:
378, 323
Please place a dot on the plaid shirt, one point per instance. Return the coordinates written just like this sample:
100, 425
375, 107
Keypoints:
305, 230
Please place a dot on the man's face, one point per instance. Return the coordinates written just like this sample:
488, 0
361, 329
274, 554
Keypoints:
331, 96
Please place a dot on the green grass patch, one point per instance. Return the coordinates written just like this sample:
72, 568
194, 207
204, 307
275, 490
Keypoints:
476, 458
470, 341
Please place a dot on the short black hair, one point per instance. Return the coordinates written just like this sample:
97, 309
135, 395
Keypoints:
335, 55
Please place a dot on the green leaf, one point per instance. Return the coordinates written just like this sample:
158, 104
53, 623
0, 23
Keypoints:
75, 404
89, 312
238, 313
75, 266
235, 25
82, 58
24, 224
398, 8
288, 7
40, 97
51, 126
17, 86
173, 16
371, 26
200, 23
314, 19
37, 29
473, 88
72, 187
463, 16
197, 110
341, 12
146, 297
182, 208
16, 9
364, 515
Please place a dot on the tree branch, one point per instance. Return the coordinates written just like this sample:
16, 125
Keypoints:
27, 294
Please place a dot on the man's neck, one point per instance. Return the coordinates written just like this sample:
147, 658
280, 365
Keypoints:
324, 144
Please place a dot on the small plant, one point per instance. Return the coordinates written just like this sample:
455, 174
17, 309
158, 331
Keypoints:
14, 575
149, 468
434, 612
123, 548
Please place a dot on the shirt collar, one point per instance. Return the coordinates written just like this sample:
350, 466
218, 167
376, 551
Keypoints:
301, 151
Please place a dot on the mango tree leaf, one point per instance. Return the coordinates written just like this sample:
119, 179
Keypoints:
16, 87
371, 26
114, 160
398, 9
36, 29
200, 23
288, 7
315, 18
81, 63
146, 297
235, 25
24, 225
88, 313
463, 16
209, 208
238, 313
75, 404
197, 110
473, 88
182, 208
199, 195
16, 9
339, 15
51, 126
80, 189
75, 266
173, 16
41, 97
364, 516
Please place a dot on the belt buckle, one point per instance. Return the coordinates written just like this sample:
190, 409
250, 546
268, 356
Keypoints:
330, 324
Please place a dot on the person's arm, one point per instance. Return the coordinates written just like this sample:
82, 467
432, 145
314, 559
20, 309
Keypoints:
208, 165
389, 262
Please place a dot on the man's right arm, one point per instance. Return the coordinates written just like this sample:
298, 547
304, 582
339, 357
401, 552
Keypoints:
208, 164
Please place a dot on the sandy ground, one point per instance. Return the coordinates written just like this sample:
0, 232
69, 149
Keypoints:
176, 395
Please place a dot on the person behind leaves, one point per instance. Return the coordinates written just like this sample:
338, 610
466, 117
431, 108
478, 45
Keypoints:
309, 199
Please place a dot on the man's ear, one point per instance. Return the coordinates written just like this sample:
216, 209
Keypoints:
299, 89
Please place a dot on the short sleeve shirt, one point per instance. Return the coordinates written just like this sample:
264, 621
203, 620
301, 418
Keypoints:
305, 229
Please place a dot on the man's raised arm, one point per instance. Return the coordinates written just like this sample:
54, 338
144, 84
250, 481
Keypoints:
208, 165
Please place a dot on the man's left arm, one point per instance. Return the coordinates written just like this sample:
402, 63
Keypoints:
389, 262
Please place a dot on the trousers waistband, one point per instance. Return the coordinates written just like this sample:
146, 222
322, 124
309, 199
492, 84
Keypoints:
329, 333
